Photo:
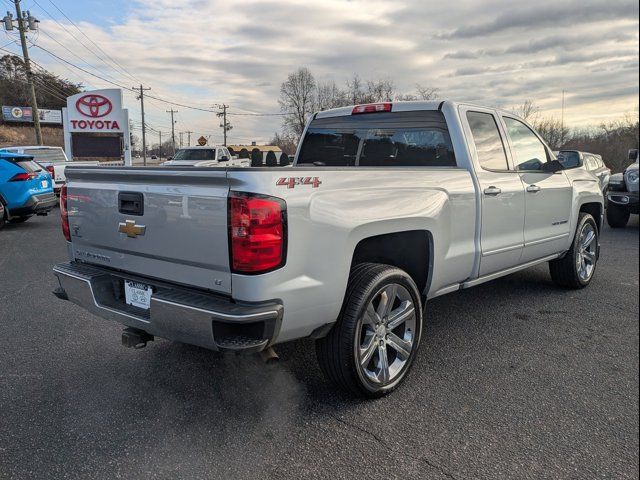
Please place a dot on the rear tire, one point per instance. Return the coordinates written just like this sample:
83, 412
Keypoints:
373, 344
617, 216
577, 267
3, 218
19, 219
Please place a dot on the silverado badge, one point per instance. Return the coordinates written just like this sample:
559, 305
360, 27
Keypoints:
131, 229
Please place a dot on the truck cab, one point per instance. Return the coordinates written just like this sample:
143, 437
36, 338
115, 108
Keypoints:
204, 156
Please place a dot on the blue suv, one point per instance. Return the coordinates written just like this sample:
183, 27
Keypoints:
25, 188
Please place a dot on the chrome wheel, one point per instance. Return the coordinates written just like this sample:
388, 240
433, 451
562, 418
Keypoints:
387, 333
586, 254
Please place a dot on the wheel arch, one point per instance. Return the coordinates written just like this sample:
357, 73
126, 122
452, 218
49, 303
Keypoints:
415, 256
596, 210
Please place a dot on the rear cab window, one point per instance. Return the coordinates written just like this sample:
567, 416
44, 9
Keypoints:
195, 154
389, 139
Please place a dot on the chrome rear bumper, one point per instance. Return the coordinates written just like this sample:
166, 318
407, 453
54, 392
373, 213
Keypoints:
176, 313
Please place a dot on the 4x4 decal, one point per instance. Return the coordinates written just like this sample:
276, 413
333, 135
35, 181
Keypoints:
291, 182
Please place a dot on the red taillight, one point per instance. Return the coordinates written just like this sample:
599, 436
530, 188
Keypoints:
257, 232
64, 215
371, 108
21, 177
52, 172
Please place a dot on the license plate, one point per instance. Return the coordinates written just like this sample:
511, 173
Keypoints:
44, 183
137, 294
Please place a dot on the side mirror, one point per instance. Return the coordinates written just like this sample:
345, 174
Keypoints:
223, 158
552, 166
633, 154
170, 158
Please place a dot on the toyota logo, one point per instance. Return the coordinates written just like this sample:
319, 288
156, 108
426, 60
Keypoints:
94, 105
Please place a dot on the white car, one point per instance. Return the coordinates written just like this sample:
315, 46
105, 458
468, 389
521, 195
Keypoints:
387, 206
206, 156
53, 159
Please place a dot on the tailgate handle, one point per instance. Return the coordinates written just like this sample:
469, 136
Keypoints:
131, 203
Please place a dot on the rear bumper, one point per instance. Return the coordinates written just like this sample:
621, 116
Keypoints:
176, 313
41, 203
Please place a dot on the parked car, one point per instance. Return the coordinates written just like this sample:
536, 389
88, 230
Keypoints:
622, 198
590, 161
25, 188
206, 156
387, 206
53, 159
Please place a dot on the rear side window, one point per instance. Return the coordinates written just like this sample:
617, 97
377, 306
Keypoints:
488, 142
529, 152
26, 164
403, 139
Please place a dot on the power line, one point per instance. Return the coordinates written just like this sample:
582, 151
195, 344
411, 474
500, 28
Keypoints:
78, 40
94, 43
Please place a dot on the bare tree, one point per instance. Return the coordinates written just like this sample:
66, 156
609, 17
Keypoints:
355, 92
328, 95
297, 99
379, 91
427, 93
552, 130
528, 110
288, 143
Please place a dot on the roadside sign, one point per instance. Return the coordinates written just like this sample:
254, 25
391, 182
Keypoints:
202, 141
25, 114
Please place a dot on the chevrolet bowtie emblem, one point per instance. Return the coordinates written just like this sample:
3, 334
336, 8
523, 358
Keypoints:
131, 229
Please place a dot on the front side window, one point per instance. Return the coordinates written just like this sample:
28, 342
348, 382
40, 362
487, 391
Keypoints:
528, 151
404, 139
488, 142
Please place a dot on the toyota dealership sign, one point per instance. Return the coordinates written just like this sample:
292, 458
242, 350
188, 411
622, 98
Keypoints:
96, 126
98, 111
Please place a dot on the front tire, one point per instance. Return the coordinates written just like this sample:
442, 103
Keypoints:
617, 216
577, 267
373, 345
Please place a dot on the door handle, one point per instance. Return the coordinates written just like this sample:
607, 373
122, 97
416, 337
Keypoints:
533, 189
492, 191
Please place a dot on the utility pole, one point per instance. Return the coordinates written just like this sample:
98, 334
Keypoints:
181, 133
173, 132
160, 147
144, 127
226, 126
562, 122
188, 132
26, 22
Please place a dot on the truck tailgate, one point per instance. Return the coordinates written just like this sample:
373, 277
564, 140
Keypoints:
167, 224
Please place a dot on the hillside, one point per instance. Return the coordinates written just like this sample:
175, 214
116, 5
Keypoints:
14, 135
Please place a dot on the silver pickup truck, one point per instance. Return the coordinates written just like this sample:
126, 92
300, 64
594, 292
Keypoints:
386, 206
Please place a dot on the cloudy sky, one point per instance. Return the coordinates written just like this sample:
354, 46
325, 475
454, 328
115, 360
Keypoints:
238, 52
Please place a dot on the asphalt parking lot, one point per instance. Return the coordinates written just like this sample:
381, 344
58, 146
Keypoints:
515, 379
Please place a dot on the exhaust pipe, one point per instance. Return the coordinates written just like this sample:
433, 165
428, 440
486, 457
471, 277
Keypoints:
134, 338
269, 356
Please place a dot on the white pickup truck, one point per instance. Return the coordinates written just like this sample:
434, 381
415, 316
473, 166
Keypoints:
386, 206
53, 159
